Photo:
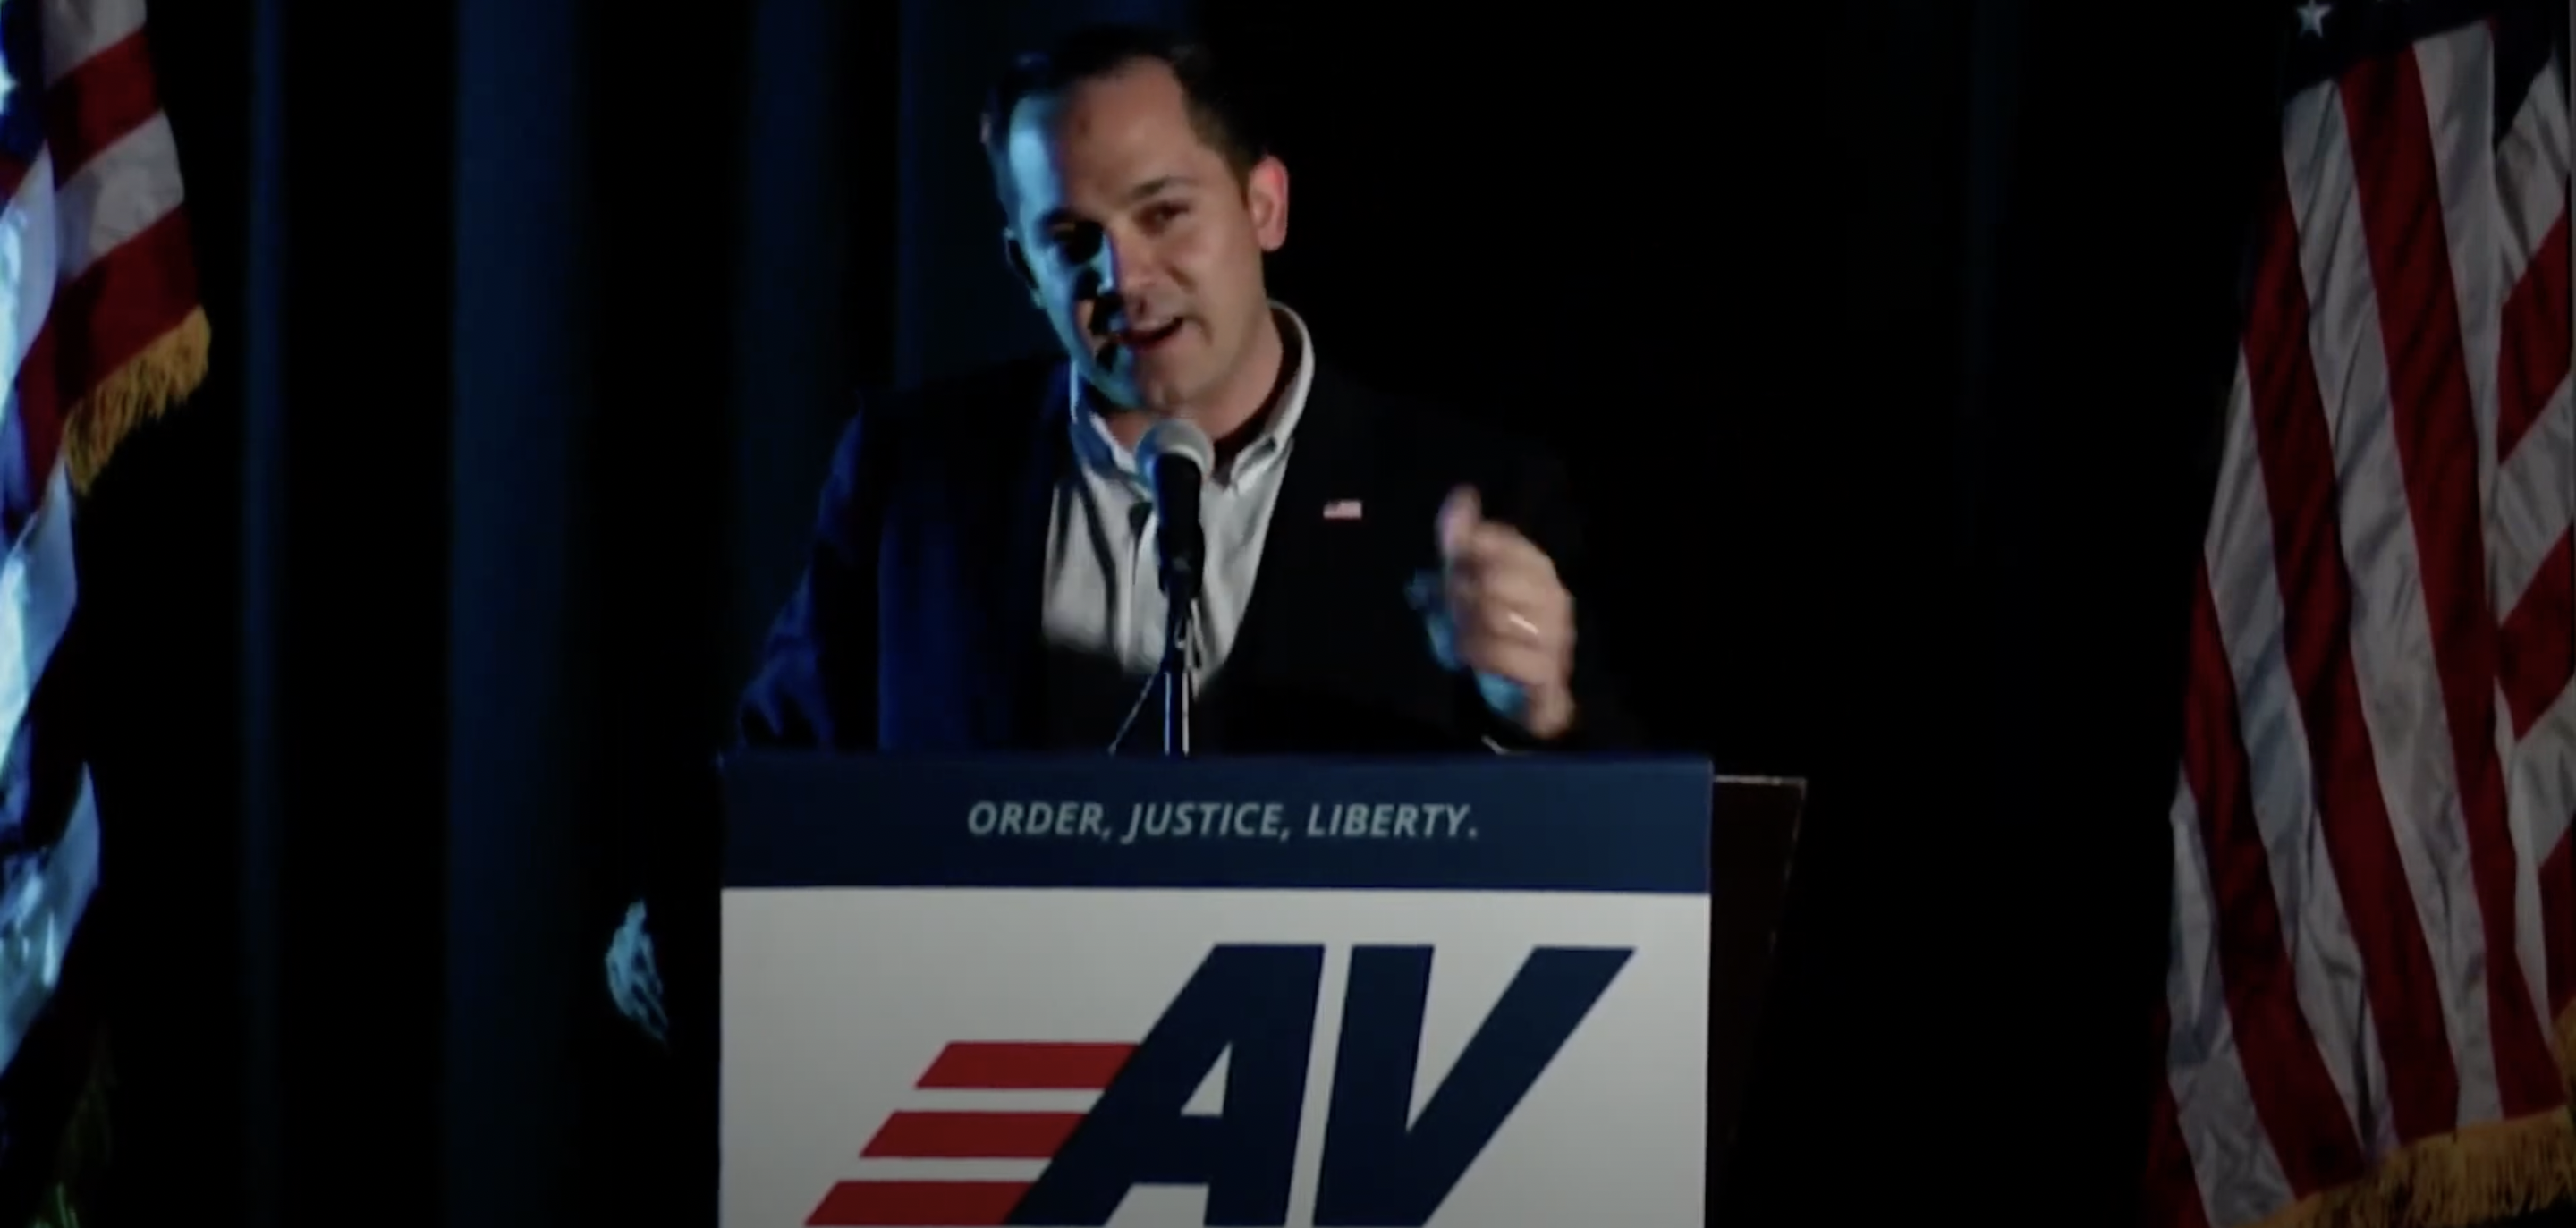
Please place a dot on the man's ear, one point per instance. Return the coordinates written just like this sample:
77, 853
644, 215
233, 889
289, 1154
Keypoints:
1018, 258
1265, 196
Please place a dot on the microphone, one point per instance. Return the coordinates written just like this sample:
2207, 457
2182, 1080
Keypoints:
1177, 458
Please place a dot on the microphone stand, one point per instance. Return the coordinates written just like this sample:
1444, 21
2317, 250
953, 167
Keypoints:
1177, 458
1176, 676
1184, 550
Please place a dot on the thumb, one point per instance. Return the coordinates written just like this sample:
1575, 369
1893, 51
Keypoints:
1460, 513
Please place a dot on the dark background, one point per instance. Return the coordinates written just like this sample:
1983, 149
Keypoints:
1884, 338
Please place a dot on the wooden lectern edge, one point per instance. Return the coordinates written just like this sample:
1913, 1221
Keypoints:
1735, 1036
1797, 823
1797, 818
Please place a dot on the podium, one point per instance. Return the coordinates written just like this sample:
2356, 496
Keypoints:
1282, 992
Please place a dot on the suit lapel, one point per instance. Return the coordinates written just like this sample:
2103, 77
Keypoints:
1328, 463
1009, 692
1284, 634
1331, 641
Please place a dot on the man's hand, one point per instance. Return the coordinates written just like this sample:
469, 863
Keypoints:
1503, 613
634, 980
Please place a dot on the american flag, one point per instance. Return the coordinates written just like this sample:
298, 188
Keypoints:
101, 328
2367, 1015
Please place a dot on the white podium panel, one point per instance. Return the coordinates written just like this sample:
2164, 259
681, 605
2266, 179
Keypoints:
1470, 995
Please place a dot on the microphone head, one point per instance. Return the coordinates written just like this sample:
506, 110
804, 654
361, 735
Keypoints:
1175, 440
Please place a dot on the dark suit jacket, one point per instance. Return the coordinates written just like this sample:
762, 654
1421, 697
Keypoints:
917, 624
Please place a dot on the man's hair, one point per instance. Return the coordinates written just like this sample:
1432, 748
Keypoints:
1217, 111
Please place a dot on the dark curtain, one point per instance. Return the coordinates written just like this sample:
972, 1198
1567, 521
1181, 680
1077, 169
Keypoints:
1884, 340
425, 613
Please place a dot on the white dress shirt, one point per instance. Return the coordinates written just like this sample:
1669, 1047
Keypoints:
1104, 595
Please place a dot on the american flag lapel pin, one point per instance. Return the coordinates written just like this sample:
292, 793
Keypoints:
1342, 509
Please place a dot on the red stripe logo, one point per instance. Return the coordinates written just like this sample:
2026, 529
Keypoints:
981, 1066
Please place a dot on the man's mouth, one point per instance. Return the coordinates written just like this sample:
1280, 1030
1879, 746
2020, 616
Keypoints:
1140, 340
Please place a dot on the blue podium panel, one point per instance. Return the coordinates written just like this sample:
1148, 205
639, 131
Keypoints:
1469, 993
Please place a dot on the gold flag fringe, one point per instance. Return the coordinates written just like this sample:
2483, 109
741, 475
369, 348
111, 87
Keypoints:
163, 374
2472, 1176
149, 383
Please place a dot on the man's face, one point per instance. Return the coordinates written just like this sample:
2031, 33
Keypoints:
1142, 246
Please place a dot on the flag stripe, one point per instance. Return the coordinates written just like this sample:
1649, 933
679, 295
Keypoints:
2558, 912
2533, 503
2537, 644
47, 896
77, 30
29, 259
2438, 447
2285, 1075
2536, 341
2206, 1066
29, 250
2532, 170
2457, 75
2544, 795
2363, 501
2389, 573
2173, 1188
2173, 1193
132, 186
2523, 38
2243, 581
107, 96
124, 302
100, 328
2298, 472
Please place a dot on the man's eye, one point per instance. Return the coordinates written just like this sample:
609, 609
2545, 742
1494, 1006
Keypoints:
1165, 214
1075, 243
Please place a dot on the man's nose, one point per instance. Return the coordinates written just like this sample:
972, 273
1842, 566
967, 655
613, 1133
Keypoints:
1124, 264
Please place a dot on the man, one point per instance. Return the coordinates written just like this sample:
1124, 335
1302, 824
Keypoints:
983, 572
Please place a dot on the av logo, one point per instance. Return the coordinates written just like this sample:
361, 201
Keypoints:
1382, 1166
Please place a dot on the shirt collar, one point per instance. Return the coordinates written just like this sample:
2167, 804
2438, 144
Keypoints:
1098, 449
